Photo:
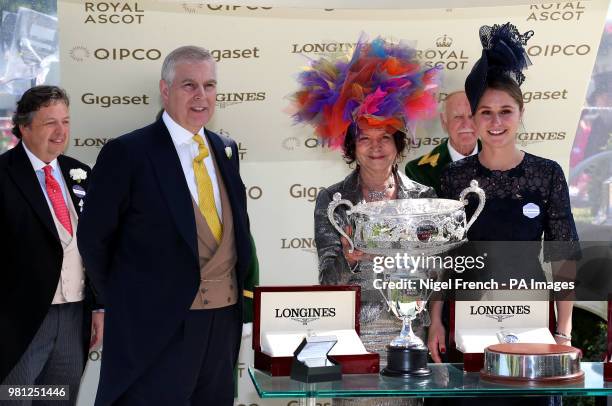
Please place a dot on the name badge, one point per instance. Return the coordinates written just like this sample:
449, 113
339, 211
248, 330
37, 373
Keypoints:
78, 191
531, 210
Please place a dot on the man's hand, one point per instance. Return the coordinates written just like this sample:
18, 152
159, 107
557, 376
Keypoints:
97, 330
436, 340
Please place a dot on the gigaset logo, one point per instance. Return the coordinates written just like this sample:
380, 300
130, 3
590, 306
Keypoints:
556, 11
545, 95
238, 53
113, 13
299, 191
108, 101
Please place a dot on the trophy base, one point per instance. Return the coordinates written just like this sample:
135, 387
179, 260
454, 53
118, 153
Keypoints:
406, 362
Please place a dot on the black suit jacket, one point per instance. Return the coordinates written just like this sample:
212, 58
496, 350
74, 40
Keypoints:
138, 239
30, 252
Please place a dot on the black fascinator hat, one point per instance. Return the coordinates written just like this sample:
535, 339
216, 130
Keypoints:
502, 54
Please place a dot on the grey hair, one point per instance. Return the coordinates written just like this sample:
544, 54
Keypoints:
448, 96
188, 53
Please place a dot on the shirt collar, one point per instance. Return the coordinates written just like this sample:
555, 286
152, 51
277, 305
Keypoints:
456, 155
178, 134
37, 164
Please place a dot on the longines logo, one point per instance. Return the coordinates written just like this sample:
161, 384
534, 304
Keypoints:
305, 244
536, 137
238, 53
79, 53
113, 12
305, 315
556, 11
228, 99
545, 95
418, 142
500, 312
443, 56
310, 193
107, 101
293, 143
90, 142
324, 48
559, 50
194, 8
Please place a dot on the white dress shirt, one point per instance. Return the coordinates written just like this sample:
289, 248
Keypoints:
187, 150
456, 155
38, 166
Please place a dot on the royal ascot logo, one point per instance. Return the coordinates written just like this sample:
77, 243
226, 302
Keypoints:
294, 143
499, 312
305, 315
326, 49
296, 243
113, 12
90, 142
530, 96
444, 55
229, 99
526, 138
93, 99
559, 50
79, 53
195, 8
309, 193
571, 11
237, 53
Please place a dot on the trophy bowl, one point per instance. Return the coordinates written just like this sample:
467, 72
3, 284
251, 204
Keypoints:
428, 226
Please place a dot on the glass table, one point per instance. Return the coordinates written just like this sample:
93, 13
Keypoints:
446, 380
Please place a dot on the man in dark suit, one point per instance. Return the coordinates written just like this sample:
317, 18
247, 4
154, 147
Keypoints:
44, 322
165, 239
456, 121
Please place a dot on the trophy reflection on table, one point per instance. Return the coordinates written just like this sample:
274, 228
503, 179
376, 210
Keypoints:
416, 227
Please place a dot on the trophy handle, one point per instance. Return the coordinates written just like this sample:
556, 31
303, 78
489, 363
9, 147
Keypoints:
338, 201
473, 188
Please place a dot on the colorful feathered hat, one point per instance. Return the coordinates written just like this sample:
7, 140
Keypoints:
503, 53
381, 85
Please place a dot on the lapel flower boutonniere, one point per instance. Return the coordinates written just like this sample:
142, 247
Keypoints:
78, 175
228, 152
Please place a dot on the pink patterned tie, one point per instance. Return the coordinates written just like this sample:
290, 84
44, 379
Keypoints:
57, 200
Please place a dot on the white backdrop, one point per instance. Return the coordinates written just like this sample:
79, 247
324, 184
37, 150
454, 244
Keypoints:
111, 54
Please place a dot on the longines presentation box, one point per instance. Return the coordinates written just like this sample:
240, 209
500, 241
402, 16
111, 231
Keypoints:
285, 315
478, 324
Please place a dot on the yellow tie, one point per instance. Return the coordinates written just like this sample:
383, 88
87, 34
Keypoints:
206, 196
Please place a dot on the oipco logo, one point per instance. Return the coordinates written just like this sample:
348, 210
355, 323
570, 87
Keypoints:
90, 142
499, 312
444, 55
294, 143
235, 53
530, 96
194, 8
559, 50
105, 101
95, 356
323, 48
526, 138
229, 99
79, 53
309, 193
117, 12
570, 11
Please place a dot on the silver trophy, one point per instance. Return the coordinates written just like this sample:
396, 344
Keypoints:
413, 227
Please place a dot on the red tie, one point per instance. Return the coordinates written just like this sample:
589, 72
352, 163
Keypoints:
57, 200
